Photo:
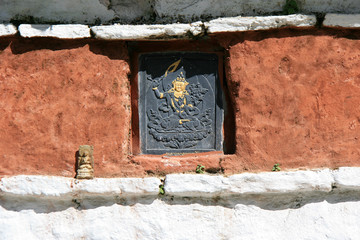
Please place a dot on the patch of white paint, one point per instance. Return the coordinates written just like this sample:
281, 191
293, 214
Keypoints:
170, 163
249, 183
347, 178
66, 31
160, 220
7, 30
51, 186
132, 32
259, 23
271, 205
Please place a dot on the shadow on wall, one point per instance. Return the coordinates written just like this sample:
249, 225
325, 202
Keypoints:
271, 201
229, 39
99, 47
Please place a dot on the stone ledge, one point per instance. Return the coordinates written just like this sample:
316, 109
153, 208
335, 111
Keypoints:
187, 185
347, 178
65, 31
135, 32
51, 186
342, 20
236, 24
7, 30
249, 183
177, 30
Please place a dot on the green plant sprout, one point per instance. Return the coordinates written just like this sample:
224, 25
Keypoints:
161, 189
290, 7
200, 169
276, 168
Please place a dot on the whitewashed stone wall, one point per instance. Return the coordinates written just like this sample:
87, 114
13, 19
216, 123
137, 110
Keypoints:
159, 11
321, 204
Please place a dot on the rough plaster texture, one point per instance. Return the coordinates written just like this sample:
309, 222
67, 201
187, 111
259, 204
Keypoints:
296, 105
342, 20
57, 95
293, 105
329, 6
69, 31
156, 219
259, 23
7, 30
53, 11
160, 11
41, 207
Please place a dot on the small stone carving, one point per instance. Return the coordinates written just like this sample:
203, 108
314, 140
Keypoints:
85, 162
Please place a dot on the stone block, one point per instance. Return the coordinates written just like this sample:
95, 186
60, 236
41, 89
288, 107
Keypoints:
66, 31
130, 32
347, 178
51, 186
235, 24
342, 20
195, 185
281, 182
248, 183
7, 30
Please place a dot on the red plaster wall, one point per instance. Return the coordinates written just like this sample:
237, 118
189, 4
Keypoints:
56, 95
294, 94
297, 98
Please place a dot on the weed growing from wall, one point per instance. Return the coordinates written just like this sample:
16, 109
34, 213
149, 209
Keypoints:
276, 168
200, 169
290, 7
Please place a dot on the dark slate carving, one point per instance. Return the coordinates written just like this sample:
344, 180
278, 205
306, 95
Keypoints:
180, 103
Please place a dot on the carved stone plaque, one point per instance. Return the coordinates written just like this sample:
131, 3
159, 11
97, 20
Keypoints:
180, 103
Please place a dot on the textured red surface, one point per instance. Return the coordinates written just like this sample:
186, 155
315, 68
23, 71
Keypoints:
57, 95
297, 98
294, 95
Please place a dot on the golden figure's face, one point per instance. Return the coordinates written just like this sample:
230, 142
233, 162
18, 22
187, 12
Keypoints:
179, 86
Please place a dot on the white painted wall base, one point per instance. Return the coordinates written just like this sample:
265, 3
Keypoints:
281, 205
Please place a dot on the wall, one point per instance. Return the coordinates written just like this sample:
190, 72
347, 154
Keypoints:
294, 104
296, 97
57, 94
155, 11
275, 205
68, 77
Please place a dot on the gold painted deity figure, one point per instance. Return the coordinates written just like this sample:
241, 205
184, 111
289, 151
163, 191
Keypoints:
178, 101
178, 118
85, 162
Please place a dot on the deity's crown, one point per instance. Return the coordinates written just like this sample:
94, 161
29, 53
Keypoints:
180, 78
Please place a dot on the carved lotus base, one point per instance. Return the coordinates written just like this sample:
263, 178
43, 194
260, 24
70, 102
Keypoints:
85, 174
